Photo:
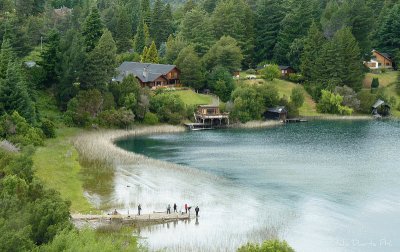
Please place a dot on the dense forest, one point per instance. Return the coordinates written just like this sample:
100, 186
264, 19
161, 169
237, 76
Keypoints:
66, 52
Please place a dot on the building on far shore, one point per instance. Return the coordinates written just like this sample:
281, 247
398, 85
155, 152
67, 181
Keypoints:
285, 70
149, 74
276, 113
379, 60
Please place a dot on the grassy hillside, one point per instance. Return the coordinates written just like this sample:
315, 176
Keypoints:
285, 89
189, 97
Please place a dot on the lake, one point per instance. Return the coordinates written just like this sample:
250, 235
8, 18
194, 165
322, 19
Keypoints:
321, 185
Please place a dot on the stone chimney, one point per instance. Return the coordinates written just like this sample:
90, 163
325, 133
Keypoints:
145, 72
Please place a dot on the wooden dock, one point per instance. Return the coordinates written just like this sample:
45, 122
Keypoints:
295, 120
130, 219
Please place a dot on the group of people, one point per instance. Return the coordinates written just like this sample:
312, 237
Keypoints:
187, 208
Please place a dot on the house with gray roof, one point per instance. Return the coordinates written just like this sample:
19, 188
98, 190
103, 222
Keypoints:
149, 74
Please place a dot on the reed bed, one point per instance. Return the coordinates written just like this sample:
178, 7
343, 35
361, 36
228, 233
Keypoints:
97, 149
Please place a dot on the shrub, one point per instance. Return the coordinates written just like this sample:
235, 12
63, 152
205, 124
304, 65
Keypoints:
168, 107
366, 100
267, 246
251, 71
295, 77
331, 103
270, 72
349, 97
375, 83
120, 118
150, 118
297, 97
48, 128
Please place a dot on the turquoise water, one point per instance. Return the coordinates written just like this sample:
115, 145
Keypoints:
321, 185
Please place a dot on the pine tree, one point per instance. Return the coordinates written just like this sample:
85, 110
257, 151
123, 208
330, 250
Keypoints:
140, 38
197, 30
268, 24
51, 59
146, 12
14, 94
388, 37
147, 37
151, 55
295, 25
100, 64
123, 31
191, 68
92, 29
340, 61
311, 52
143, 57
168, 22
6, 55
174, 47
157, 23
235, 19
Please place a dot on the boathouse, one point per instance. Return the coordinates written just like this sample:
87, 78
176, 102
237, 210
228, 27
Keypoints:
276, 113
211, 115
380, 108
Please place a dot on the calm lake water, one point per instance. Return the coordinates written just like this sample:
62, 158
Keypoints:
321, 185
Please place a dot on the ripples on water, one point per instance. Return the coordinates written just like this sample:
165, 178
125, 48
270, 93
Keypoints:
322, 186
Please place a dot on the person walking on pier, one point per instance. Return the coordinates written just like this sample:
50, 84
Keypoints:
186, 208
197, 209
139, 208
175, 211
168, 209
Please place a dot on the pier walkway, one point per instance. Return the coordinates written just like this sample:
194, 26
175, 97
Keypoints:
130, 219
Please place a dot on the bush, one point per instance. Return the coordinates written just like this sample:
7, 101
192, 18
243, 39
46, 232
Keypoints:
120, 118
150, 118
331, 103
349, 97
267, 246
295, 77
251, 71
375, 83
168, 107
297, 97
366, 101
48, 128
270, 72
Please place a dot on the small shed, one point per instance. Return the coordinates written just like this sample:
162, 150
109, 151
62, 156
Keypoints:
380, 108
276, 113
286, 70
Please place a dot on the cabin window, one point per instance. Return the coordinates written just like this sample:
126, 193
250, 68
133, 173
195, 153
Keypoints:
387, 64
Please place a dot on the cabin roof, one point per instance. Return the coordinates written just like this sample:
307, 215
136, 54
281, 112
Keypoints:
138, 69
379, 103
278, 109
208, 106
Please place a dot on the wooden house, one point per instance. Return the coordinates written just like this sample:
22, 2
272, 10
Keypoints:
149, 75
379, 60
211, 115
286, 70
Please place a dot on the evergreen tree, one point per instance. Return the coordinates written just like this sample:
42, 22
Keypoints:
174, 47
224, 53
157, 23
6, 55
311, 52
123, 31
168, 27
340, 61
268, 24
100, 64
152, 54
234, 18
191, 68
140, 38
143, 57
197, 30
388, 38
51, 59
92, 29
14, 94
294, 25
145, 11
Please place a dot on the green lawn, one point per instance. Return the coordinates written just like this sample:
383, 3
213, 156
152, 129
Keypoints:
189, 97
385, 79
56, 164
285, 89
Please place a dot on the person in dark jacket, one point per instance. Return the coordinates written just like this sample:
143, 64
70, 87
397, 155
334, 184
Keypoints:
139, 208
175, 211
197, 209
168, 209
186, 208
